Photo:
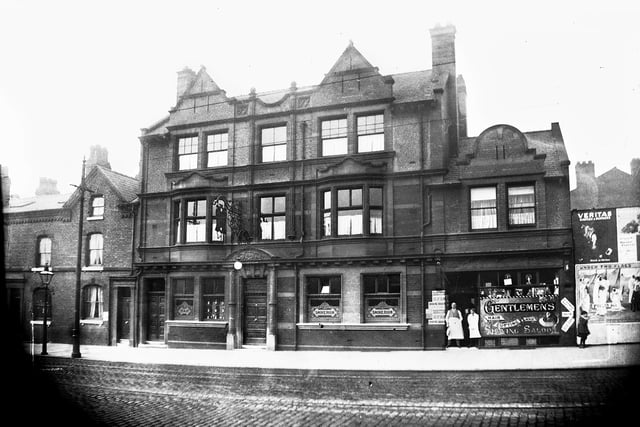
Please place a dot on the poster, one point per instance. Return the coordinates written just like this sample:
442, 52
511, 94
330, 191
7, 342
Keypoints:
609, 292
595, 236
628, 234
518, 316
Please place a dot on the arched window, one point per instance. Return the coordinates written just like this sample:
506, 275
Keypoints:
92, 305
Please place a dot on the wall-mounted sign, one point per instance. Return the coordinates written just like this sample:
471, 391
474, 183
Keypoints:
437, 308
383, 310
519, 316
324, 310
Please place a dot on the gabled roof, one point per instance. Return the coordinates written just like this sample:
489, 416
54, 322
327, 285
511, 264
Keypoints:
37, 203
614, 174
125, 187
350, 60
203, 83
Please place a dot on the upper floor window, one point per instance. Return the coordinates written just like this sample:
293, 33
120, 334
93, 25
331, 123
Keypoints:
196, 221
334, 137
375, 210
218, 222
274, 144
217, 146
483, 208
326, 213
188, 153
370, 133
97, 206
92, 305
213, 306
44, 252
183, 299
522, 205
350, 211
324, 297
381, 297
95, 249
272, 218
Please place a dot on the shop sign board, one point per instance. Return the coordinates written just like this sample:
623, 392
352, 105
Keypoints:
519, 316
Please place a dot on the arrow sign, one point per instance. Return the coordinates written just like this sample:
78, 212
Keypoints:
568, 304
566, 325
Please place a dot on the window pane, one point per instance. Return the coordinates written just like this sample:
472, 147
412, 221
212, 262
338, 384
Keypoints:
280, 153
369, 143
356, 197
188, 161
327, 200
375, 196
265, 228
266, 205
268, 154
326, 224
343, 198
483, 197
350, 222
196, 230
279, 204
217, 158
375, 221
334, 147
279, 231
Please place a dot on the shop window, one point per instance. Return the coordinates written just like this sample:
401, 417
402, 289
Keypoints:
272, 218
324, 297
217, 149
95, 253
274, 144
522, 205
350, 212
370, 133
92, 305
483, 208
38, 304
196, 221
381, 297
183, 299
44, 252
97, 207
334, 137
213, 305
188, 153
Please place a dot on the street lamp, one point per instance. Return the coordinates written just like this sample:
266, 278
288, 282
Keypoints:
45, 278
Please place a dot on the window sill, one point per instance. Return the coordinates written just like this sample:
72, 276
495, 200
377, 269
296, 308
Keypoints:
39, 322
95, 218
98, 322
355, 326
198, 323
93, 268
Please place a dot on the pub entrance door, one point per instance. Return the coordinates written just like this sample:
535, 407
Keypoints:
155, 299
255, 312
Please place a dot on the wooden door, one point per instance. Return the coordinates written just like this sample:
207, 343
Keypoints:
124, 314
155, 316
255, 312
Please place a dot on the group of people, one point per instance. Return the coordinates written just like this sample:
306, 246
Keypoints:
455, 331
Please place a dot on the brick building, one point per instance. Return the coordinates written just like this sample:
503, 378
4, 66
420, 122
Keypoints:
614, 188
347, 215
43, 230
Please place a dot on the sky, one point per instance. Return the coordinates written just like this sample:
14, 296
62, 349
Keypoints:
80, 73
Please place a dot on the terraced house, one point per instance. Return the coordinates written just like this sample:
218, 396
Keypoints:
346, 215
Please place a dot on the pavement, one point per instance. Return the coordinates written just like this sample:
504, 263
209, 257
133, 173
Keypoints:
451, 359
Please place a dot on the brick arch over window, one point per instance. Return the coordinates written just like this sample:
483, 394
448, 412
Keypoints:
500, 142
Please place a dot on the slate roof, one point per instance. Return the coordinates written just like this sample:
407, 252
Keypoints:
126, 187
37, 203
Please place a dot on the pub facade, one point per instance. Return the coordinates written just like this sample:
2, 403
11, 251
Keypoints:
347, 215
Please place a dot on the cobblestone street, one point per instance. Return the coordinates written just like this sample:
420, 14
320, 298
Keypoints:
114, 393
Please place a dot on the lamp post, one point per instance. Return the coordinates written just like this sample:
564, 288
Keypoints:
45, 277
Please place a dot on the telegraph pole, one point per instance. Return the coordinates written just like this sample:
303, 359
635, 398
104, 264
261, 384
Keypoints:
76, 320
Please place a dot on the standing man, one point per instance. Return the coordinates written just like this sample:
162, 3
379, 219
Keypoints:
453, 319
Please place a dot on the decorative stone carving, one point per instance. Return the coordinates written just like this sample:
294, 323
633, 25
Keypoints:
242, 109
303, 101
350, 166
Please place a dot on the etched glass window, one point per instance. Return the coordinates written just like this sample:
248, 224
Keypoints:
183, 307
324, 296
382, 297
213, 305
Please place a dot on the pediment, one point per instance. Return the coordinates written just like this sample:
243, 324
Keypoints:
250, 255
197, 180
351, 166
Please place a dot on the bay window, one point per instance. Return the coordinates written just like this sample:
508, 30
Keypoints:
350, 212
196, 221
272, 218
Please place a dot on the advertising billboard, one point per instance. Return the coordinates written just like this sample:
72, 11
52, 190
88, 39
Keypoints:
607, 235
519, 316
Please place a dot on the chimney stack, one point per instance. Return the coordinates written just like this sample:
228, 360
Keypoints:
443, 61
635, 167
462, 107
98, 155
47, 187
6, 185
186, 78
